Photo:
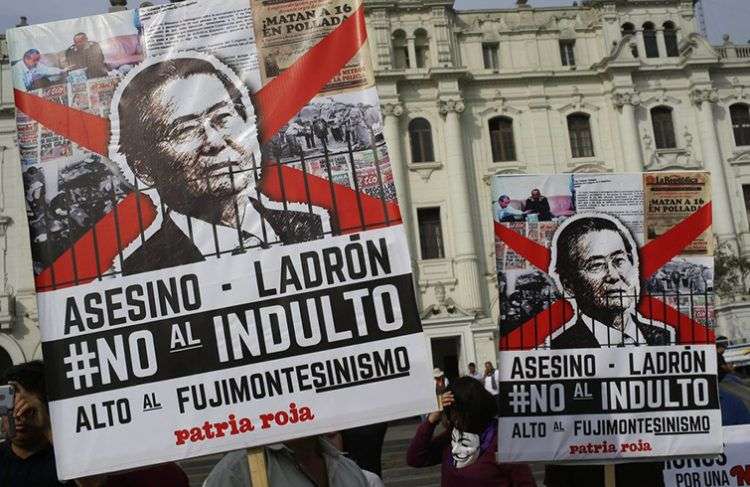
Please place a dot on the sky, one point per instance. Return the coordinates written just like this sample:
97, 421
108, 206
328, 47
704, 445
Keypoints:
722, 16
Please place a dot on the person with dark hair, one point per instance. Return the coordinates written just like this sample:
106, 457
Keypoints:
364, 445
468, 446
474, 373
86, 54
201, 156
30, 73
538, 205
595, 264
27, 458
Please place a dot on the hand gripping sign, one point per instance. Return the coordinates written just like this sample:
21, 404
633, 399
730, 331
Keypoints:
218, 250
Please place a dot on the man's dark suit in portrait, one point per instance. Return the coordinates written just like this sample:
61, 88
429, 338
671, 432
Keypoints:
187, 131
86, 54
595, 264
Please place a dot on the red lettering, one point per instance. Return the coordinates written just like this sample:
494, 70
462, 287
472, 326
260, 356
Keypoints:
742, 474
221, 428
246, 425
281, 418
207, 430
266, 418
182, 436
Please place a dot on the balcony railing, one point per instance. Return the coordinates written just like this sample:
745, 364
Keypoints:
734, 51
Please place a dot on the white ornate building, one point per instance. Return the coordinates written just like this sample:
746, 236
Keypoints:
614, 85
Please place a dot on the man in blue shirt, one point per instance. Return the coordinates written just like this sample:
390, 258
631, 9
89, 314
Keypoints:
30, 73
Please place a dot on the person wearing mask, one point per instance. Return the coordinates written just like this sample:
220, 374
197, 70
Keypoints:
467, 448
491, 379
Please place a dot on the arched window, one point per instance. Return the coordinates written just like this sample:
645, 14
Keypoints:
628, 29
420, 136
670, 39
579, 130
400, 50
661, 118
740, 114
422, 48
649, 40
501, 139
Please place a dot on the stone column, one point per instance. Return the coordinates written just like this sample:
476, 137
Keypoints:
627, 102
391, 113
705, 98
640, 43
660, 42
411, 47
467, 269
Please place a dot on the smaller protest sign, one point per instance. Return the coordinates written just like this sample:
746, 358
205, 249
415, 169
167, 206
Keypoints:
730, 468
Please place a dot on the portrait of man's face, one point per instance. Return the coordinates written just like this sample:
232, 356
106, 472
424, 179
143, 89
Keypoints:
605, 279
503, 202
207, 149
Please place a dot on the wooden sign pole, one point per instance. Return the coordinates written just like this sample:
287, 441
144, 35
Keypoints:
609, 475
256, 461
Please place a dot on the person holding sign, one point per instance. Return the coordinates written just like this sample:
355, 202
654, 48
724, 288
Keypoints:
201, 155
305, 462
595, 264
468, 447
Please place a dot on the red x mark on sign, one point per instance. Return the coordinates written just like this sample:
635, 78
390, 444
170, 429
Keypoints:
276, 103
653, 256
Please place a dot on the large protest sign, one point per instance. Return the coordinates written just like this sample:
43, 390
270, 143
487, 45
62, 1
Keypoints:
731, 468
606, 309
218, 250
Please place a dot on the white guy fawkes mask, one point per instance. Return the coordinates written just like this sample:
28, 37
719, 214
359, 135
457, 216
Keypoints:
464, 448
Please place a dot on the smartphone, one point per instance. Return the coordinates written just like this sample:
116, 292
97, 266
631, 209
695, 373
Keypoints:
7, 420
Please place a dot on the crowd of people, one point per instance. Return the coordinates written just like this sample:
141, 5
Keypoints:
461, 437
323, 128
86, 191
